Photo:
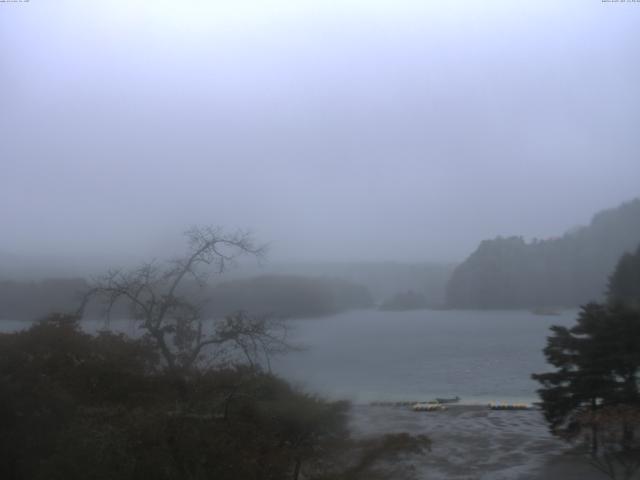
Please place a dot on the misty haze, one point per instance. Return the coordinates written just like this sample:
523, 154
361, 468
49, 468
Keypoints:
320, 240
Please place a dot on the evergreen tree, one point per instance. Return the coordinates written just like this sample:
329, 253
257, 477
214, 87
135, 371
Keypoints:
583, 380
597, 374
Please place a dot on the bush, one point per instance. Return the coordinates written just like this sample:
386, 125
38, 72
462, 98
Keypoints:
74, 405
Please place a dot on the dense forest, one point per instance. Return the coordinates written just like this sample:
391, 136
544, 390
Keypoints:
566, 271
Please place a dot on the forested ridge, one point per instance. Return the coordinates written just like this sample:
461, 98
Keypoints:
565, 271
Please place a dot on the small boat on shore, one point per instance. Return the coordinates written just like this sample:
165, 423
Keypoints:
428, 407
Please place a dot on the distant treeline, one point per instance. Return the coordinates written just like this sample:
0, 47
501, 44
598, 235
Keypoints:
288, 296
279, 295
34, 300
408, 300
383, 279
566, 271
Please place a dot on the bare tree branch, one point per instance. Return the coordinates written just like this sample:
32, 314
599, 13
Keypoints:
174, 323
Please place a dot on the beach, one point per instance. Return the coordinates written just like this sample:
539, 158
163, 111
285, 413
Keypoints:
474, 442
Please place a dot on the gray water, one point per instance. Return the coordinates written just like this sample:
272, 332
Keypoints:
480, 356
364, 356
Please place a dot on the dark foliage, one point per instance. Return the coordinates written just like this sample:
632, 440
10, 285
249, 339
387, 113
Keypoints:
77, 406
597, 362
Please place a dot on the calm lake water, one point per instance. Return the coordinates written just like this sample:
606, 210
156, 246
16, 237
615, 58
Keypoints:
368, 355
480, 356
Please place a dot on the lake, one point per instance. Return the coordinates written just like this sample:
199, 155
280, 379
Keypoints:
364, 356
369, 355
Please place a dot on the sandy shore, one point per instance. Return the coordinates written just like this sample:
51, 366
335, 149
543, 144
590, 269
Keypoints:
473, 442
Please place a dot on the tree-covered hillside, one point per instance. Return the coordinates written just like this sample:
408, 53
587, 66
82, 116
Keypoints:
566, 271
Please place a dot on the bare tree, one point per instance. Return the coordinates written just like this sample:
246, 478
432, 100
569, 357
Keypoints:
154, 294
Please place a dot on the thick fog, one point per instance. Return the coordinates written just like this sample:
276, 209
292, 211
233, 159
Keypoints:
336, 130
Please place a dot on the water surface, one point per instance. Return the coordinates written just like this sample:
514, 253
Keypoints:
480, 356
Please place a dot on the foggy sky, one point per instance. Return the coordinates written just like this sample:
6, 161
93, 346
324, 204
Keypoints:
335, 130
